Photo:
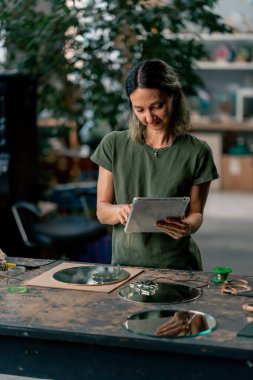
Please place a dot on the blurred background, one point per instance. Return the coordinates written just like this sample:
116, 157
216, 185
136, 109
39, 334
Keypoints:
62, 70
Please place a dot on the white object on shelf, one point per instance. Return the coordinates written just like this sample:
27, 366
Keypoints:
241, 96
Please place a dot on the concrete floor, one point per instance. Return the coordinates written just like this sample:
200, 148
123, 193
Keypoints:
226, 235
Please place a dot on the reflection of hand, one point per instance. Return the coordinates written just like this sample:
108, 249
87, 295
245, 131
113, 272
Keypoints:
183, 323
123, 211
175, 227
178, 325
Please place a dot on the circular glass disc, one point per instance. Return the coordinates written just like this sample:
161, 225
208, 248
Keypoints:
159, 292
170, 323
91, 275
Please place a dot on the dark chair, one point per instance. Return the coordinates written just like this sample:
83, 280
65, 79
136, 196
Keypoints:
63, 236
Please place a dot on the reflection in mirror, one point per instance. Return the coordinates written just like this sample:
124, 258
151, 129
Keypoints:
92, 275
170, 323
150, 291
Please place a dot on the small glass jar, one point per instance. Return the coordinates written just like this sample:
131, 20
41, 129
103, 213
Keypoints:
15, 280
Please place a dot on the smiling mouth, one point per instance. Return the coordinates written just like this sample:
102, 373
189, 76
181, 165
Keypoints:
153, 124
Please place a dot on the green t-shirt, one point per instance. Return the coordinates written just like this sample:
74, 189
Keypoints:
137, 172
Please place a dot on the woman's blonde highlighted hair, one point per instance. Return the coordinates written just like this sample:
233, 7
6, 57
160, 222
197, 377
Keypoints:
159, 75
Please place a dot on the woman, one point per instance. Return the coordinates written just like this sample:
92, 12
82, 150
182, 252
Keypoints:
156, 157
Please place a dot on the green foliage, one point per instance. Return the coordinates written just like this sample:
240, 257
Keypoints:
34, 33
81, 53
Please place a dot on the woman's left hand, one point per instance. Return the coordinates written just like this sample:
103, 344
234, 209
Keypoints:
177, 326
175, 227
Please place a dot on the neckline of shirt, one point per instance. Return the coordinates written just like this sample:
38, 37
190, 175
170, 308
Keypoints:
158, 150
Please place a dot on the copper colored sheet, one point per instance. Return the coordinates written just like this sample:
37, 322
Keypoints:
47, 280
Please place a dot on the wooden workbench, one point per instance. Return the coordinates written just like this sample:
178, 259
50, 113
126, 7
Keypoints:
66, 334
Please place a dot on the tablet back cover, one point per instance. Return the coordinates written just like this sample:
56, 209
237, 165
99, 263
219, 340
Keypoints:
146, 211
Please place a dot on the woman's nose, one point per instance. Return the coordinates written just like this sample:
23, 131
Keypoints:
149, 117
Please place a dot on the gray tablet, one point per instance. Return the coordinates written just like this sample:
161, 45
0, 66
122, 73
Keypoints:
146, 211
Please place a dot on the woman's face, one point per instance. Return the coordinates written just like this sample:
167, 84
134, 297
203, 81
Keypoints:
152, 107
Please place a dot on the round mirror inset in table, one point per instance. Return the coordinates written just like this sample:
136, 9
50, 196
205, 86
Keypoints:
150, 291
91, 275
170, 323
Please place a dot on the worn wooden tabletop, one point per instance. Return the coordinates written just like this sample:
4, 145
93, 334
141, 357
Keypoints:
79, 316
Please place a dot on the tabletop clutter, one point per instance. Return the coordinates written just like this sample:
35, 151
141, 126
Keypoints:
158, 290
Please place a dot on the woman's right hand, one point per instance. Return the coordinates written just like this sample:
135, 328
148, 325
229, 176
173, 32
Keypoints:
107, 211
123, 211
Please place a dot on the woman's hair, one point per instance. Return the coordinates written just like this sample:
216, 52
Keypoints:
157, 74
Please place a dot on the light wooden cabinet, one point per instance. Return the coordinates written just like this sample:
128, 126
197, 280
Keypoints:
237, 172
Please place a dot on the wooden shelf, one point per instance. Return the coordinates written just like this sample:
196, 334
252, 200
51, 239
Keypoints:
227, 37
212, 37
205, 125
224, 65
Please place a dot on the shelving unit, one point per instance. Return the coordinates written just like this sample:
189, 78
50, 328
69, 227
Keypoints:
233, 41
224, 77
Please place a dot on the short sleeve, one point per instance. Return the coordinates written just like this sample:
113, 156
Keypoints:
205, 170
103, 155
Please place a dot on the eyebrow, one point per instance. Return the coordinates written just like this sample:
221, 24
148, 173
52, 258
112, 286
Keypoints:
152, 104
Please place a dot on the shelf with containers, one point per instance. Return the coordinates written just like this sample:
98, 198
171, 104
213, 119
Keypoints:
223, 110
